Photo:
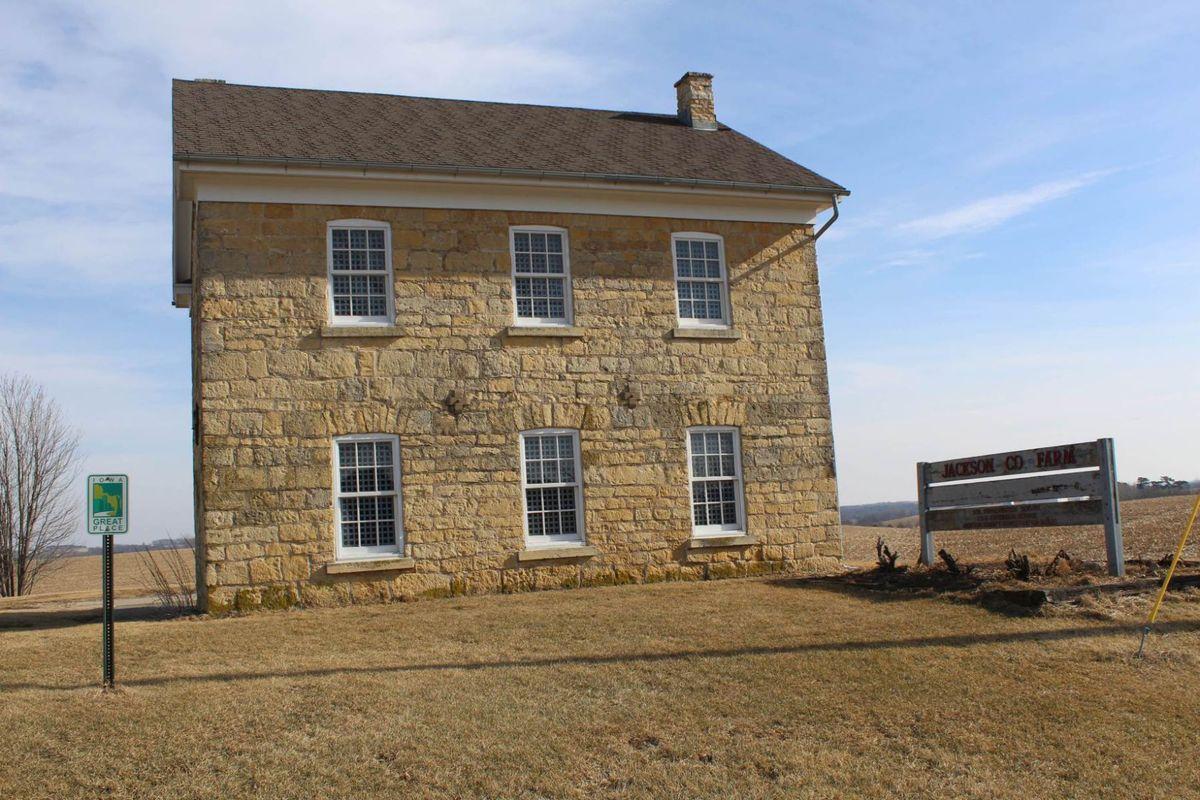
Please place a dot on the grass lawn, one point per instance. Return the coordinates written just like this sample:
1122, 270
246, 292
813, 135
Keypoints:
730, 689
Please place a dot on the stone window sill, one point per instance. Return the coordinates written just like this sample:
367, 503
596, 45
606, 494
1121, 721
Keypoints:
702, 542
722, 334
360, 331
369, 565
552, 553
544, 331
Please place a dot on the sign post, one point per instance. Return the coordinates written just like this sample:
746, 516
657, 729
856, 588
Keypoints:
108, 515
1070, 484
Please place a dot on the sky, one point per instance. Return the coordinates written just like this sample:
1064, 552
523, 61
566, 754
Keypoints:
1018, 264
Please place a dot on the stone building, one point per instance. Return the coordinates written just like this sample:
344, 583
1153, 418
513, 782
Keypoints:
448, 347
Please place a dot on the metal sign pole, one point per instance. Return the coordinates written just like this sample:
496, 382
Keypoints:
109, 679
107, 505
1111, 506
109, 666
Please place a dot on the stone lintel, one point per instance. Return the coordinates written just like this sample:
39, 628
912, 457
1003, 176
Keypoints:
551, 553
370, 565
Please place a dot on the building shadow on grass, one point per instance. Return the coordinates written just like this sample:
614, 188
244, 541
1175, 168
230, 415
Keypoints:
987, 639
43, 618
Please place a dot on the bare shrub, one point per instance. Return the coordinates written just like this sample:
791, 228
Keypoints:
173, 580
37, 464
952, 565
885, 556
1061, 565
1018, 565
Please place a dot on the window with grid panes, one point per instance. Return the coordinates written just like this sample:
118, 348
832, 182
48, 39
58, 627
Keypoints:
367, 499
541, 276
360, 280
700, 285
715, 463
553, 487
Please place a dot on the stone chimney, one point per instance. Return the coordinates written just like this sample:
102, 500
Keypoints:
695, 95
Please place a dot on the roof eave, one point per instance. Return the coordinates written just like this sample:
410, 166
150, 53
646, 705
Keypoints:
448, 169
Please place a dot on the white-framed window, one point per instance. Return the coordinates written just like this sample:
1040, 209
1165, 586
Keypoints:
367, 514
552, 484
359, 253
715, 475
701, 280
541, 268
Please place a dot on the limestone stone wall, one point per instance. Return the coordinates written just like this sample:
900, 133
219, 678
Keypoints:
273, 388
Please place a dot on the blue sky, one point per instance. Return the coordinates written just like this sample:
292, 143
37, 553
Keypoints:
1018, 264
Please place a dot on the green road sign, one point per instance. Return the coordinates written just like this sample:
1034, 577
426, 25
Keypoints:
108, 504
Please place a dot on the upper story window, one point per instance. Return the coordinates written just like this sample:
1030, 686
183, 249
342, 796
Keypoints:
715, 474
360, 272
541, 276
701, 283
367, 496
553, 487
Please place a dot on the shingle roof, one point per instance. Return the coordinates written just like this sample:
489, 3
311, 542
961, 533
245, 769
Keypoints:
231, 121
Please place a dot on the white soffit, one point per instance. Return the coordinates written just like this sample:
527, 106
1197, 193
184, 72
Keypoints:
222, 183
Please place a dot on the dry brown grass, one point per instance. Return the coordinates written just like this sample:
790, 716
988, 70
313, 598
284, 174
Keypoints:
732, 689
78, 578
1150, 527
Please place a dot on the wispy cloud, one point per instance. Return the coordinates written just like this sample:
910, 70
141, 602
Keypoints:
988, 213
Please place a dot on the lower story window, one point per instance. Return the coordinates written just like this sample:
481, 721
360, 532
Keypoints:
553, 487
715, 461
367, 502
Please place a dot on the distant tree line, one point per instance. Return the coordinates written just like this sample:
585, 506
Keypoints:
1163, 487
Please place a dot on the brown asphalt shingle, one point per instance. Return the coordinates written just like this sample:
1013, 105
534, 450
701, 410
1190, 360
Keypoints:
254, 122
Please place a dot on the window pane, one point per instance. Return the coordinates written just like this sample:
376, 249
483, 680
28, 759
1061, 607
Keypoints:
710, 250
341, 237
566, 498
349, 480
375, 238
533, 447
358, 238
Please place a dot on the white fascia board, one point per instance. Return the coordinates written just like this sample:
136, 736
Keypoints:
181, 251
215, 182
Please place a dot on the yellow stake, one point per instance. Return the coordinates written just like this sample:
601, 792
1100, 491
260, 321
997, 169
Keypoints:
1162, 591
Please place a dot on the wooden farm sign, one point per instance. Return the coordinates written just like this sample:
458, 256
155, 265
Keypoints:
1070, 484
